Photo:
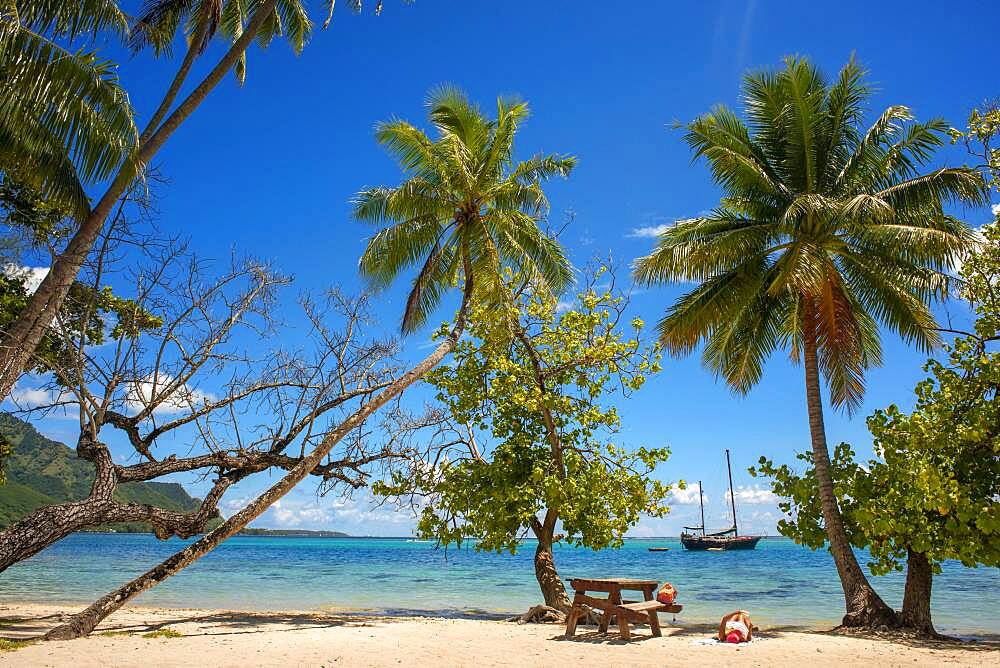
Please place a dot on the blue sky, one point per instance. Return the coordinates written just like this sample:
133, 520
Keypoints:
268, 169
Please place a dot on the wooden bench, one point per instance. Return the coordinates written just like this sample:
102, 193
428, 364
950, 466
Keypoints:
642, 612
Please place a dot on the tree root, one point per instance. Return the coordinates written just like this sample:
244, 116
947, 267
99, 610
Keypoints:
540, 614
544, 614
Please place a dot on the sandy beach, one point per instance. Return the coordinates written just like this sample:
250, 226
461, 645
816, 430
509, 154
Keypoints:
227, 638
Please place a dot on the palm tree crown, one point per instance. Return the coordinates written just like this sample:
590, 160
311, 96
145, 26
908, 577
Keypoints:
64, 119
823, 232
465, 208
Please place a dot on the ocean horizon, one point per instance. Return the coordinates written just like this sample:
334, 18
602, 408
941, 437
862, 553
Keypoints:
782, 584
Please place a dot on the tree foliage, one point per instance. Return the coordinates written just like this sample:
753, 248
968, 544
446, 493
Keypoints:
934, 486
90, 313
979, 139
495, 471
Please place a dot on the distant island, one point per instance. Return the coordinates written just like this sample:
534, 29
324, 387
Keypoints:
293, 532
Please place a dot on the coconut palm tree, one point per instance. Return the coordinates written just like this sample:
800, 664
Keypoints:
468, 210
823, 235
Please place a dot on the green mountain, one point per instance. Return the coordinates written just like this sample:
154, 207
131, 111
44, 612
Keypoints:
41, 472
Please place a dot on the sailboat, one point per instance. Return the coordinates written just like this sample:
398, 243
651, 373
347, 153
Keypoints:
730, 539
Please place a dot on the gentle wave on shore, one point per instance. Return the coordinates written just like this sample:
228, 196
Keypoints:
781, 583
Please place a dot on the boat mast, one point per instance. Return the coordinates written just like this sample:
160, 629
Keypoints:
732, 496
701, 500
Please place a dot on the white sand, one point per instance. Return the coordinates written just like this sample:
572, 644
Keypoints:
222, 638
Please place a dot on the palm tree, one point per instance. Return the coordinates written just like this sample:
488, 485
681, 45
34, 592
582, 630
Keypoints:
472, 212
64, 119
240, 22
466, 209
823, 234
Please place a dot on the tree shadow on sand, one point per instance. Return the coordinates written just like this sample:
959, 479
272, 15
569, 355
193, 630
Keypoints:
209, 624
983, 642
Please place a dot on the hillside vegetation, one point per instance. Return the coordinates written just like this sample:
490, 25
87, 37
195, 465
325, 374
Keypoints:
41, 472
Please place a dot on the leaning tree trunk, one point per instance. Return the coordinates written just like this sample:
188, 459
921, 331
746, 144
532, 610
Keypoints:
916, 613
50, 524
22, 337
553, 590
864, 606
84, 622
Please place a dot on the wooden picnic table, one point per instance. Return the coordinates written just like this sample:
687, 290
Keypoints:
644, 611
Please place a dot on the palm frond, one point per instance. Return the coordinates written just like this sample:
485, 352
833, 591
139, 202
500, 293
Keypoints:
464, 208
70, 20
61, 109
820, 226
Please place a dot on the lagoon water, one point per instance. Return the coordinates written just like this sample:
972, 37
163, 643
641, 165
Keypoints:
779, 582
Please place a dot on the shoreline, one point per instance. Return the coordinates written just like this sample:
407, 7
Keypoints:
198, 636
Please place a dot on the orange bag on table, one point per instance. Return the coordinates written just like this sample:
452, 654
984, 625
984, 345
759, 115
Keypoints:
666, 594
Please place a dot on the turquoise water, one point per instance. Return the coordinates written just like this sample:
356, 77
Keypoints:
779, 582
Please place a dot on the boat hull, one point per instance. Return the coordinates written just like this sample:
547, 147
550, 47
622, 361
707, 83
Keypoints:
702, 543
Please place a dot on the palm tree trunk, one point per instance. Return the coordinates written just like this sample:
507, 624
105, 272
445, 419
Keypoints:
864, 606
84, 622
22, 337
553, 590
916, 613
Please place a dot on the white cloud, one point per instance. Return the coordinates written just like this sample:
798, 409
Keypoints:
649, 232
183, 399
33, 397
32, 276
357, 516
563, 306
29, 397
996, 209
685, 496
754, 496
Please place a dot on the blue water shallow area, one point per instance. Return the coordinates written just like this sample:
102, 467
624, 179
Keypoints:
779, 582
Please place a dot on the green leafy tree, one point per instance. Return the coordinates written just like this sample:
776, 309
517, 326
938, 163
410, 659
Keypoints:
932, 492
88, 313
979, 139
472, 154
825, 232
525, 441
67, 113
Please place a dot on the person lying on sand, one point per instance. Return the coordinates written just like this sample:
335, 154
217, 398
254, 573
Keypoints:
736, 627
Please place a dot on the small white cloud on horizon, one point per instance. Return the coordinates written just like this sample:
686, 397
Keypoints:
357, 516
649, 232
